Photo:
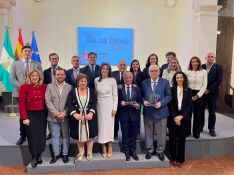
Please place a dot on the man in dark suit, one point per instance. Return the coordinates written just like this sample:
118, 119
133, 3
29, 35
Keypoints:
156, 94
49, 77
19, 71
118, 75
215, 75
92, 69
129, 98
74, 71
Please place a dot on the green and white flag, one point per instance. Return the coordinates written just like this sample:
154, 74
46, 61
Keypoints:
6, 61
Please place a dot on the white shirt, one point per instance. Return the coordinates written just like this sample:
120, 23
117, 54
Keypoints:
25, 63
168, 75
197, 80
179, 97
60, 87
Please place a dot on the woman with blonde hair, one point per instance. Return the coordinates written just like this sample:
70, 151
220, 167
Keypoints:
32, 112
173, 67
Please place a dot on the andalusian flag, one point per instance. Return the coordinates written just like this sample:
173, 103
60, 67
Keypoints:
6, 61
19, 45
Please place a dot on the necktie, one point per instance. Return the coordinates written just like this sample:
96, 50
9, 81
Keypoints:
128, 94
53, 71
27, 68
92, 69
121, 77
75, 73
154, 87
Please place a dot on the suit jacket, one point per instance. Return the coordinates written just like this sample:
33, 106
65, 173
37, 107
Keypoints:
47, 75
18, 76
215, 76
74, 106
138, 79
56, 102
86, 70
116, 76
70, 79
127, 113
185, 107
164, 92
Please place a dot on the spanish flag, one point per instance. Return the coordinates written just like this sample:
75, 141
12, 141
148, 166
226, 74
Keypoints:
19, 45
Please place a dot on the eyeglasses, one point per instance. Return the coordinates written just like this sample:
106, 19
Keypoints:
153, 70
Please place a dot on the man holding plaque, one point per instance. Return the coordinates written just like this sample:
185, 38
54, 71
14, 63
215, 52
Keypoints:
129, 114
156, 94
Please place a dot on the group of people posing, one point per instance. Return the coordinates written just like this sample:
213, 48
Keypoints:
84, 103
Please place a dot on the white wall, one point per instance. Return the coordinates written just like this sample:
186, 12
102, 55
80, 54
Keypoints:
158, 28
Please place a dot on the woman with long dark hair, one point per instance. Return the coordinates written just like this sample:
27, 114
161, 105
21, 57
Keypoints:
179, 107
138, 75
151, 60
107, 102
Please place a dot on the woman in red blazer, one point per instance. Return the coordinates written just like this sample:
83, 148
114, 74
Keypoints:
32, 112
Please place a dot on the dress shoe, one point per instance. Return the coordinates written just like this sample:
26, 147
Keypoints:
212, 133
196, 136
65, 159
127, 157
39, 160
34, 162
54, 159
148, 155
21, 141
174, 163
161, 156
48, 137
135, 157
179, 164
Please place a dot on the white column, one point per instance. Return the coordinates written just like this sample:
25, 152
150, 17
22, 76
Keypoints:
206, 19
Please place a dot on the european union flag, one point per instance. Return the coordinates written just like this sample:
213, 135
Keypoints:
35, 52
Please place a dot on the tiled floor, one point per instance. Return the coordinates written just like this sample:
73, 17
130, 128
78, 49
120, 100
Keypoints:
205, 166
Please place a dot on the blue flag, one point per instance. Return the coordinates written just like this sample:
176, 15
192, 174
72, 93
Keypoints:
35, 52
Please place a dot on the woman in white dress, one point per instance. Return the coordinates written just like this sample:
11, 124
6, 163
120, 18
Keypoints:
107, 101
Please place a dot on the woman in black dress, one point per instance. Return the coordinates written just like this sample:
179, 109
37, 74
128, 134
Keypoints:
81, 104
151, 60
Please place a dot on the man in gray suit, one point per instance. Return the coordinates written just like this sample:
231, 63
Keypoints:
56, 97
19, 71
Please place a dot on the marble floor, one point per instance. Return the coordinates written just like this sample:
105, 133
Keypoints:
206, 166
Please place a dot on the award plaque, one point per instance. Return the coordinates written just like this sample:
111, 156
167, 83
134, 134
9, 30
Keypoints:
129, 103
153, 99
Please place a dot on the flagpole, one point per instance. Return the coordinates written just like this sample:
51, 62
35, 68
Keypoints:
12, 114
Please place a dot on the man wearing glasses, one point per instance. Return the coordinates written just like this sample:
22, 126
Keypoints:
156, 94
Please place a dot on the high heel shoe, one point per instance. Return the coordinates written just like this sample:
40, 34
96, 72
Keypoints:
79, 157
89, 156
109, 150
103, 150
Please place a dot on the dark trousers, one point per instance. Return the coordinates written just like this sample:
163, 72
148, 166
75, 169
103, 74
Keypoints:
116, 129
177, 136
22, 126
129, 135
210, 100
196, 113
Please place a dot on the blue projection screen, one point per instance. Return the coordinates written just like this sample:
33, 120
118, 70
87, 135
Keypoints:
110, 44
